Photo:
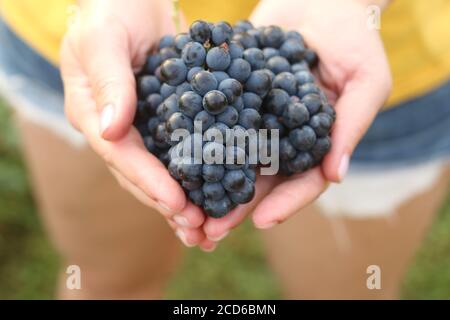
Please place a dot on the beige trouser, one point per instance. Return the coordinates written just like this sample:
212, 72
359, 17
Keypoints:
125, 250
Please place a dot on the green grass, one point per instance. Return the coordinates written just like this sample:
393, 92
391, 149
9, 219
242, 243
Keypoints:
28, 264
429, 276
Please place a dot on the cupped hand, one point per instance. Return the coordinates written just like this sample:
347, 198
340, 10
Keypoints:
107, 42
353, 71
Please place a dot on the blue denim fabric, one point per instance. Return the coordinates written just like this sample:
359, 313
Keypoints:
415, 131
35, 79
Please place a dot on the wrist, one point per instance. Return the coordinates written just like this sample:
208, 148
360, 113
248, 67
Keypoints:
380, 3
300, 14
139, 16
123, 8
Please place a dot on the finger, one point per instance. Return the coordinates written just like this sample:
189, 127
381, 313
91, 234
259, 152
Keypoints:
75, 82
105, 55
190, 217
189, 237
138, 193
218, 229
288, 198
207, 245
356, 108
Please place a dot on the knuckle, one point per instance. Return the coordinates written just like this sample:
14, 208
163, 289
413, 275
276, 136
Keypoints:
105, 85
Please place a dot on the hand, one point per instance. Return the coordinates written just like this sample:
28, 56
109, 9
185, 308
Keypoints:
353, 71
108, 41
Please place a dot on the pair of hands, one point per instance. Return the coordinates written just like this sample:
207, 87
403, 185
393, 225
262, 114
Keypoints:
110, 40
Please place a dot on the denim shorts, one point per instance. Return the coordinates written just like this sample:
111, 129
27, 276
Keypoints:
413, 132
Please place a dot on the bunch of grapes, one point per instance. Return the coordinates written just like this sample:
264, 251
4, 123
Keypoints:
214, 85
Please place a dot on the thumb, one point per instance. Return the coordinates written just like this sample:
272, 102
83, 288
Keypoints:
356, 108
107, 60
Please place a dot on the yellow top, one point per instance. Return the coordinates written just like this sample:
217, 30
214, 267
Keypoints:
416, 34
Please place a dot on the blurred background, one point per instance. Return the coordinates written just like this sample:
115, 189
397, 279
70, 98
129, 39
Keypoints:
238, 270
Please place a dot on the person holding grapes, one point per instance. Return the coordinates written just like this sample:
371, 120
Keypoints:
320, 249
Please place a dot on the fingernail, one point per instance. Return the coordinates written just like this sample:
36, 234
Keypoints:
182, 236
106, 118
213, 247
221, 237
182, 221
343, 166
267, 226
